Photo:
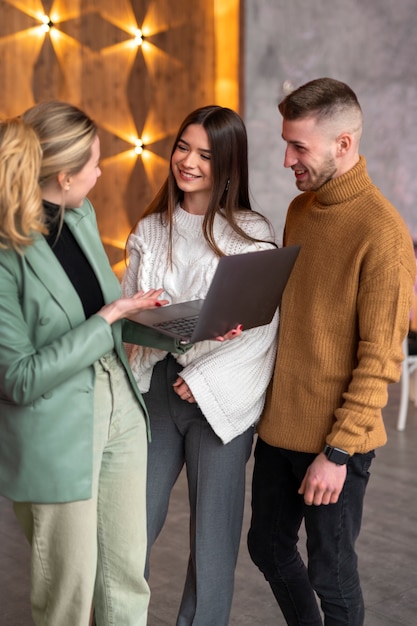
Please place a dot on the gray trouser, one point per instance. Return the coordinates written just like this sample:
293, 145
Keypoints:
216, 485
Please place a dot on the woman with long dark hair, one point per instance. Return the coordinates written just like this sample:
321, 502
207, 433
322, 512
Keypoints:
203, 404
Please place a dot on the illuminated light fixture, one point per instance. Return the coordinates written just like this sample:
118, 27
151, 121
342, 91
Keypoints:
139, 37
139, 147
46, 23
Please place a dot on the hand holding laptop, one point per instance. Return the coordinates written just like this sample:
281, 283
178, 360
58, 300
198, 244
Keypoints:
232, 334
246, 289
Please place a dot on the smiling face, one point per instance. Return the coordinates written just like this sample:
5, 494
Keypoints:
311, 152
191, 163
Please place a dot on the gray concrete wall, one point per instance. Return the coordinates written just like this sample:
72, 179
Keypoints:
371, 45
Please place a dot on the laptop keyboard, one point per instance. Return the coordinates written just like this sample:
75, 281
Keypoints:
183, 326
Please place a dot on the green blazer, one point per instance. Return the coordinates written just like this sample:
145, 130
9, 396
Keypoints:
47, 352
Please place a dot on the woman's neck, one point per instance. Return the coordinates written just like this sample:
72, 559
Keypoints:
53, 198
53, 192
196, 204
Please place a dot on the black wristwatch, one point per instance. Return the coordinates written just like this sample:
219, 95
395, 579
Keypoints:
336, 455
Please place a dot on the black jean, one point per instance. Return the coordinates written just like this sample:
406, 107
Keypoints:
277, 513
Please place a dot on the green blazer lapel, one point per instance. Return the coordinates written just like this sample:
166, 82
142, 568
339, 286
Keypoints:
50, 272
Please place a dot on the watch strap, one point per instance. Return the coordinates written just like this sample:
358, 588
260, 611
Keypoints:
336, 455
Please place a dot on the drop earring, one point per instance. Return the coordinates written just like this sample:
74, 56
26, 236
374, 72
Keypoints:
227, 184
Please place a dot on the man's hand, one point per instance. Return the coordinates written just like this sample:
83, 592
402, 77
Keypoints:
323, 481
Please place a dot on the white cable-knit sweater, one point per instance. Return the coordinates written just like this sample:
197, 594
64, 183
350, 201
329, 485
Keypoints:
228, 379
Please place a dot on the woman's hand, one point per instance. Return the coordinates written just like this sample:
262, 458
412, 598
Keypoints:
182, 389
124, 307
235, 332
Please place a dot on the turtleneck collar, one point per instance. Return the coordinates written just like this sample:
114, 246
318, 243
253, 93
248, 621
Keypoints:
51, 211
53, 223
339, 189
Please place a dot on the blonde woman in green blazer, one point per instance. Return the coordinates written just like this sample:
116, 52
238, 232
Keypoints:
73, 426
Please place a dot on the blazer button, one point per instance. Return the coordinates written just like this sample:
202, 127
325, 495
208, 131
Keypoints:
47, 395
44, 320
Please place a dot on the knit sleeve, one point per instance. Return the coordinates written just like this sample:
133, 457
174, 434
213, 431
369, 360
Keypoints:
136, 333
383, 312
229, 383
129, 281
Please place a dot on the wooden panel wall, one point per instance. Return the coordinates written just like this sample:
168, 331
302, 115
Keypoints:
89, 58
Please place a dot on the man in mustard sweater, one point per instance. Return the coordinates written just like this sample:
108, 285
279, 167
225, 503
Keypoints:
343, 318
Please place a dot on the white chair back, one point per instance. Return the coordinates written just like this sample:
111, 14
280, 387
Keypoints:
408, 385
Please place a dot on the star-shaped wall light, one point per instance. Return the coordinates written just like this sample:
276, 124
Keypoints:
128, 65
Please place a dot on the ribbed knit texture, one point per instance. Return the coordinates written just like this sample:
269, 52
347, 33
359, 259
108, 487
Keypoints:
344, 314
229, 379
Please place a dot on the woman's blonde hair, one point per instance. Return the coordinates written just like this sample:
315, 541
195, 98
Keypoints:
21, 213
66, 135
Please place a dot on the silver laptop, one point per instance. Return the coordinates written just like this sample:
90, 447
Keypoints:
246, 289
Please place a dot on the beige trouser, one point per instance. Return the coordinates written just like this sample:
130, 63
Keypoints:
94, 550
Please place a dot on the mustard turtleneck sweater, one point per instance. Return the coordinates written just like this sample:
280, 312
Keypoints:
343, 317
